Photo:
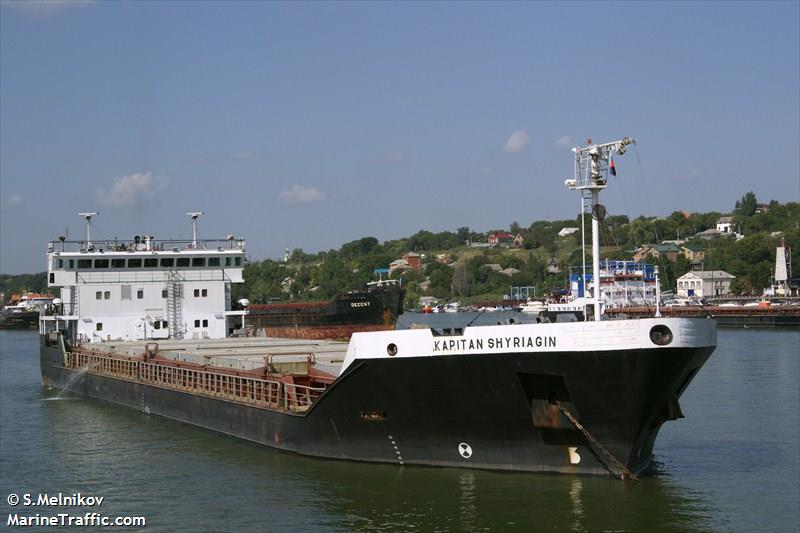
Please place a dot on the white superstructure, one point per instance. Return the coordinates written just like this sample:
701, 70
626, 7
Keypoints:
144, 288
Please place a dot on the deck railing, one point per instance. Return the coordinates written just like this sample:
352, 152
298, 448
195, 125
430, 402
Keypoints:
266, 393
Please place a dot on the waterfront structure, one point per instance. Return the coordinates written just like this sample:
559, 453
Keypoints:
622, 283
705, 283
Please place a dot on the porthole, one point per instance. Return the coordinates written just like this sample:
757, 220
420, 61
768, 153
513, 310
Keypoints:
391, 349
660, 335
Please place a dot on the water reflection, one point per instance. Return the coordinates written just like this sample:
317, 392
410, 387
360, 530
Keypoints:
141, 461
577, 506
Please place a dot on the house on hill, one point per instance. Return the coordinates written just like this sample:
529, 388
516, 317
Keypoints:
502, 238
693, 251
725, 225
410, 261
667, 251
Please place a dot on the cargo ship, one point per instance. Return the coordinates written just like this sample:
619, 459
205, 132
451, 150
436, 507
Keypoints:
374, 307
145, 328
23, 311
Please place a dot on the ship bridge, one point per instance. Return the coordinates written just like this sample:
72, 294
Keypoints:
144, 288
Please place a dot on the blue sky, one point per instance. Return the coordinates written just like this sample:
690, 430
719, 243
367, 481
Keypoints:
308, 125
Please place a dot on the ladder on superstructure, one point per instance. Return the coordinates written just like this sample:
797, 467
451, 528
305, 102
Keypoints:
175, 304
74, 299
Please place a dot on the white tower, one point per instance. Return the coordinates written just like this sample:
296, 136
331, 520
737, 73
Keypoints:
781, 272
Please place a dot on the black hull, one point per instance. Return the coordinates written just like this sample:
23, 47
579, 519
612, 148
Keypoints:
419, 410
19, 320
377, 306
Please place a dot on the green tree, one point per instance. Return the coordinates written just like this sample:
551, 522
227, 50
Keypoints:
747, 205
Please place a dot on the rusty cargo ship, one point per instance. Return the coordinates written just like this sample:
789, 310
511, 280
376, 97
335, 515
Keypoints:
375, 307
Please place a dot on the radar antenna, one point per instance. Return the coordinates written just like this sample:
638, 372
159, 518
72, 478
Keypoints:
88, 217
195, 215
592, 163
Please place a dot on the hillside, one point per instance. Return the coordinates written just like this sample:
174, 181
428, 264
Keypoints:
482, 266
452, 269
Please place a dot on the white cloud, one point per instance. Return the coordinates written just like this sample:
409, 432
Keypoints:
517, 142
564, 141
43, 8
130, 190
298, 194
15, 200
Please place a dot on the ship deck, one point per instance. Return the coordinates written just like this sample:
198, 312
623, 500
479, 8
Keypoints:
241, 353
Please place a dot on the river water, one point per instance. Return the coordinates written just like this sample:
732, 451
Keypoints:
733, 464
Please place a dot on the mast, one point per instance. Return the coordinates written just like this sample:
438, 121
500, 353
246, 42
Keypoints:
88, 218
591, 176
195, 215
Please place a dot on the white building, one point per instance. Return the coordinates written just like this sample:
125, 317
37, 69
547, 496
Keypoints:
145, 289
705, 283
567, 231
725, 225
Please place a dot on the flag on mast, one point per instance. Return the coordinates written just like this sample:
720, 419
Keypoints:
612, 168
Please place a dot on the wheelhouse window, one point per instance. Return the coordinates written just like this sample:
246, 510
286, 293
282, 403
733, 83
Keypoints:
107, 295
84, 263
213, 261
140, 294
135, 263
197, 323
99, 326
101, 263
205, 322
164, 293
238, 261
117, 263
198, 261
98, 295
167, 261
182, 262
151, 262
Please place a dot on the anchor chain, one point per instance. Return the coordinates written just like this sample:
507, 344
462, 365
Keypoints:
624, 472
